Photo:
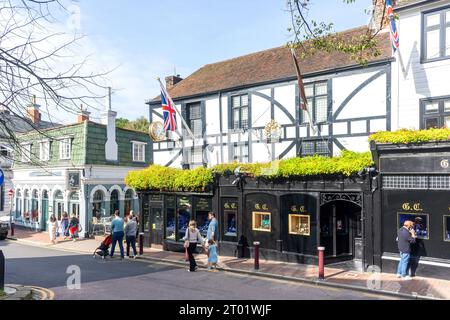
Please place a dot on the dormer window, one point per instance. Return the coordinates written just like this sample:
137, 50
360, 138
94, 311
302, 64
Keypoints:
26, 152
138, 151
65, 148
44, 150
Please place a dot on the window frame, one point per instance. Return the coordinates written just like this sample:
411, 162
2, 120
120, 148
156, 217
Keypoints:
260, 213
41, 149
201, 118
240, 107
241, 147
300, 217
443, 25
441, 114
136, 144
63, 142
315, 141
313, 107
26, 157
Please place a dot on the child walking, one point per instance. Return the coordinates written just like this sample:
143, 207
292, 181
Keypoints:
212, 258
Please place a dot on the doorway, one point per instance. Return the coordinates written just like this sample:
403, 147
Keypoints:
340, 230
156, 224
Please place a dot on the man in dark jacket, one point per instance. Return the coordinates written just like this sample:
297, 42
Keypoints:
405, 236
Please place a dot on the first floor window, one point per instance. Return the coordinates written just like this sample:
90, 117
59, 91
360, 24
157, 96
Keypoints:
436, 35
65, 149
436, 113
138, 152
5, 152
240, 153
194, 118
313, 147
317, 101
240, 114
26, 153
44, 151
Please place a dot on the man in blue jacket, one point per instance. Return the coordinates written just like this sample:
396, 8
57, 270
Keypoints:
117, 230
405, 236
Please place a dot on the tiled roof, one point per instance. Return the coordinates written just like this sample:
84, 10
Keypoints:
22, 124
266, 66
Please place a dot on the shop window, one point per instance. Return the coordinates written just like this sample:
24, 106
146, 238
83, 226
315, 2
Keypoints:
262, 221
447, 228
184, 215
170, 223
202, 208
299, 225
420, 224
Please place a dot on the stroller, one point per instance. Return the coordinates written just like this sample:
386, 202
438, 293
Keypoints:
103, 249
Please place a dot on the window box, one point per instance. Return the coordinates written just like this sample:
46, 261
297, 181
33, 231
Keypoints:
262, 221
299, 225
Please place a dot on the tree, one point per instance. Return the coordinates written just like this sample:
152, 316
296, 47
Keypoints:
140, 124
37, 60
311, 36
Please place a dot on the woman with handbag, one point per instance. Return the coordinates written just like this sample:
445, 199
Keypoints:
191, 239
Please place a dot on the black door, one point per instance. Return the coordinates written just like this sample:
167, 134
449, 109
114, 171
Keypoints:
156, 225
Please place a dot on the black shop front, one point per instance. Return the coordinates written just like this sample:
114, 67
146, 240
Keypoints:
290, 218
415, 186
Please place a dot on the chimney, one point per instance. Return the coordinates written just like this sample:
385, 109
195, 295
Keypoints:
378, 10
33, 111
109, 119
83, 115
171, 81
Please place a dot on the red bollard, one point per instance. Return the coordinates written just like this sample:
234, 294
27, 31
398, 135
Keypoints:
12, 229
256, 245
141, 244
321, 251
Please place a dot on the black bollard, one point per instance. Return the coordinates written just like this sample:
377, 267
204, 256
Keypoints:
141, 244
2, 271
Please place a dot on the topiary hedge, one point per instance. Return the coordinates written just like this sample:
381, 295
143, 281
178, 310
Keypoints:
169, 179
406, 136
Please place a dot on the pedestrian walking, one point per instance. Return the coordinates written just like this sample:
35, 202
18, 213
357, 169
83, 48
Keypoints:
117, 230
191, 239
405, 237
212, 257
130, 236
74, 225
213, 231
53, 228
64, 225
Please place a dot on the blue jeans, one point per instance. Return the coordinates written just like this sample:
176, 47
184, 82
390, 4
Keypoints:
117, 237
403, 264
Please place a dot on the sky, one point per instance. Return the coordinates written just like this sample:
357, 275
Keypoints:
144, 39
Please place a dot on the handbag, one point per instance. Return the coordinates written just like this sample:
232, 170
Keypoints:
186, 255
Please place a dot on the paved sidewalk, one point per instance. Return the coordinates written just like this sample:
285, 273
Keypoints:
419, 287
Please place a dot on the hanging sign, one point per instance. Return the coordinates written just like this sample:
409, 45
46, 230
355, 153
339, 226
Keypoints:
156, 131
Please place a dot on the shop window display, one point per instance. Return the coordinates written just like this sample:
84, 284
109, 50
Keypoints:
262, 221
184, 215
420, 224
447, 228
230, 223
202, 209
299, 225
170, 225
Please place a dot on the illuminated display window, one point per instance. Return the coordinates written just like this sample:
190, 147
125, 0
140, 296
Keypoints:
420, 224
299, 225
262, 221
447, 228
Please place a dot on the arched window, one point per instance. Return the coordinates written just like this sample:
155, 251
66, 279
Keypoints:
34, 206
129, 199
74, 204
18, 203
58, 204
44, 209
26, 206
98, 204
114, 201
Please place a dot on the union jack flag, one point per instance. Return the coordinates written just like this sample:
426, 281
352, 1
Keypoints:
169, 113
392, 26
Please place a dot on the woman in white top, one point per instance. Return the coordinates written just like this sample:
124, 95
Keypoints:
192, 238
53, 228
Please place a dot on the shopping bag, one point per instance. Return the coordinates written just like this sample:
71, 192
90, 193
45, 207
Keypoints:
186, 255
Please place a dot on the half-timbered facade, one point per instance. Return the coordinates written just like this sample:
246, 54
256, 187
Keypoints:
228, 104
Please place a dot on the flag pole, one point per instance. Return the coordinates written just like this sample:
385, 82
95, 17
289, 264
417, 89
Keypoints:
176, 110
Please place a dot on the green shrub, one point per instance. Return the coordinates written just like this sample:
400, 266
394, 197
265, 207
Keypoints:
405, 136
169, 179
